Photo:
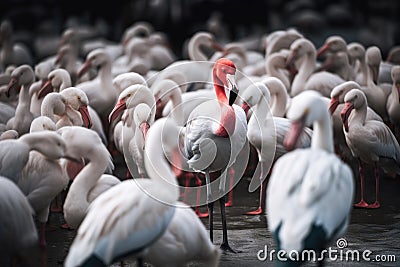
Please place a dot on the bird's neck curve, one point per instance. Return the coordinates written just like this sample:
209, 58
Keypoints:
306, 68
176, 99
195, 53
228, 119
157, 167
323, 133
87, 178
279, 103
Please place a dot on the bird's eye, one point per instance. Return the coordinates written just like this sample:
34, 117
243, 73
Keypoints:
79, 98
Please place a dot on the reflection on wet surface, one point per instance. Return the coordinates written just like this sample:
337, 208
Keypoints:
375, 230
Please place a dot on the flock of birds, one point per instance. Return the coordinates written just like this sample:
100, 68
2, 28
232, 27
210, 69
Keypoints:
63, 120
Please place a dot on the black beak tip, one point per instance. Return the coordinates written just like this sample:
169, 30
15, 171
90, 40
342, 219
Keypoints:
233, 95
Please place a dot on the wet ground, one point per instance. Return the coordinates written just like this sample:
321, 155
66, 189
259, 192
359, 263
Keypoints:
374, 230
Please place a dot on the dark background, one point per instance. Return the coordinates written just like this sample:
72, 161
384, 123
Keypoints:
370, 22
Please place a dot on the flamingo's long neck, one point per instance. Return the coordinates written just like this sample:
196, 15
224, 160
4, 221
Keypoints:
358, 115
158, 168
105, 73
323, 132
228, 118
307, 67
86, 179
23, 115
279, 102
274, 70
363, 70
65, 82
176, 99
195, 52
261, 116
24, 101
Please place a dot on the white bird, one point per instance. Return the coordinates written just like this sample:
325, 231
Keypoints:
42, 70
278, 40
125, 130
303, 50
91, 181
143, 118
131, 216
376, 94
215, 134
65, 112
370, 141
356, 53
393, 100
18, 231
197, 69
310, 191
275, 66
15, 153
42, 123
333, 44
167, 90
124, 80
280, 99
100, 91
266, 133
21, 79
58, 81
43, 178
336, 105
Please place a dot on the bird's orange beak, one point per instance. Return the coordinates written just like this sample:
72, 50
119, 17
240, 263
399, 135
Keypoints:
322, 50
293, 135
117, 110
46, 88
345, 114
217, 46
85, 68
87, 120
12, 86
333, 104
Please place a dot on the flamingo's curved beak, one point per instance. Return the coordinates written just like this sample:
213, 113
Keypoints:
58, 58
159, 107
333, 104
217, 46
345, 114
46, 88
322, 50
294, 133
233, 90
117, 110
326, 64
85, 68
87, 120
13, 86
144, 128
